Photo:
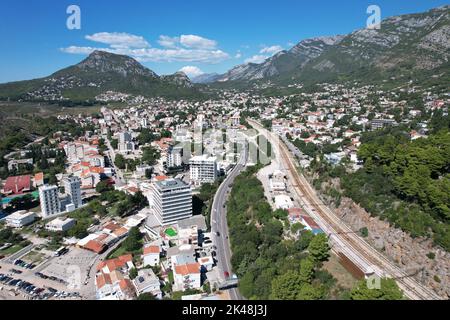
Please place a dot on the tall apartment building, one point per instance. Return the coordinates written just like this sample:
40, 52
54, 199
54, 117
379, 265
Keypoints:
175, 156
72, 188
50, 204
125, 142
172, 201
203, 169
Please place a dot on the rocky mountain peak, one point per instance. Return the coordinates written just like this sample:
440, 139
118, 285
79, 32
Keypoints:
102, 61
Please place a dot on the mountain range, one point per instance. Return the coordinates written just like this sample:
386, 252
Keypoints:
405, 46
412, 46
100, 72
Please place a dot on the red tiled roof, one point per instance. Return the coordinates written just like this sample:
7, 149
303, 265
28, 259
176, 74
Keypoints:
120, 232
94, 246
112, 226
98, 170
102, 280
189, 268
311, 223
114, 264
17, 185
151, 250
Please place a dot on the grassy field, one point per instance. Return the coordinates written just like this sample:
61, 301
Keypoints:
11, 250
344, 278
43, 110
34, 257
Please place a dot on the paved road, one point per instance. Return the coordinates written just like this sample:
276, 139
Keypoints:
111, 154
219, 223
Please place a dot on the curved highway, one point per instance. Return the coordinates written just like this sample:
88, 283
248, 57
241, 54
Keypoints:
219, 223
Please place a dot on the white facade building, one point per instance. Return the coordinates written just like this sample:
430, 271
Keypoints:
151, 255
175, 156
60, 225
50, 204
203, 169
20, 219
125, 142
147, 282
172, 201
72, 188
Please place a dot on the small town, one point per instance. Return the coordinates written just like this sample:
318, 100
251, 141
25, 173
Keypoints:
248, 166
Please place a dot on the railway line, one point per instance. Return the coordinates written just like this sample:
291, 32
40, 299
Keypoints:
342, 238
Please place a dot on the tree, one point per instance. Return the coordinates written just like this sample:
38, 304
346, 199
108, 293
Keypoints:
166, 134
138, 200
114, 143
133, 273
318, 247
120, 161
246, 285
146, 296
280, 214
133, 241
307, 269
148, 173
388, 290
150, 155
146, 136
103, 186
310, 292
297, 227
78, 231
286, 286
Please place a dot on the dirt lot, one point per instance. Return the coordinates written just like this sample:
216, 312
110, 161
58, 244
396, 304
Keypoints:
345, 279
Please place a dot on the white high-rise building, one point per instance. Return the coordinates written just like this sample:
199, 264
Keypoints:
203, 169
50, 204
175, 156
125, 142
72, 188
172, 201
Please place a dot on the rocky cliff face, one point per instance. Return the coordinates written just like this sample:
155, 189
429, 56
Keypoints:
282, 62
403, 46
408, 253
103, 62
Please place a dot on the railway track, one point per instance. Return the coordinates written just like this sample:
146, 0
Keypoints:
354, 247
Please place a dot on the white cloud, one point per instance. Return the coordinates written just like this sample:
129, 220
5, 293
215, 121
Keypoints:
271, 49
238, 55
256, 59
191, 71
193, 41
81, 50
119, 40
159, 55
168, 42
186, 48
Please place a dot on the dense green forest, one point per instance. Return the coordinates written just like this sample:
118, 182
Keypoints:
15, 135
406, 182
268, 265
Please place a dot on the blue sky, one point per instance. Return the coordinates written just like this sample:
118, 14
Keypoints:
168, 35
